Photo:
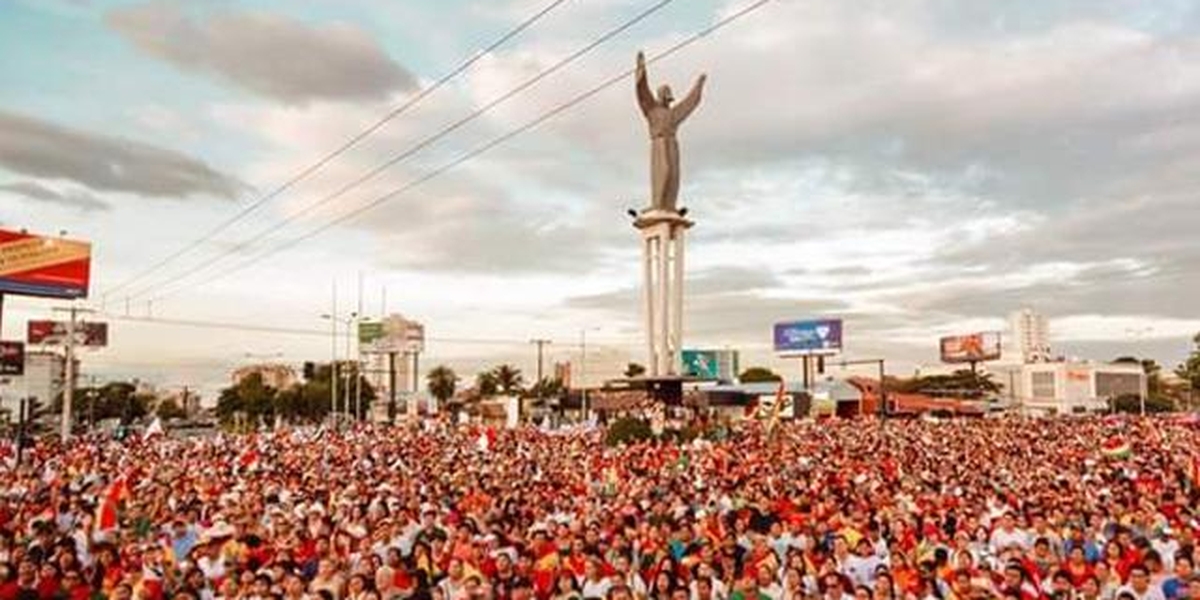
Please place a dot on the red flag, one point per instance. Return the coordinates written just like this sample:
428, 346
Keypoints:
106, 511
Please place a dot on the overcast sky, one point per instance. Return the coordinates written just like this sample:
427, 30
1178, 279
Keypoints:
917, 167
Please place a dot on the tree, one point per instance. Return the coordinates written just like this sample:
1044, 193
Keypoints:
509, 379
442, 382
169, 409
250, 399
547, 389
1189, 370
486, 383
634, 370
1153, 371
759, 375
963, 383
114, 400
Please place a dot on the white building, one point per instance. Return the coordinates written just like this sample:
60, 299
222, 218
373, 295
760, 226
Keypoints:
1068, 387
603, 364
1029, 336
44, 375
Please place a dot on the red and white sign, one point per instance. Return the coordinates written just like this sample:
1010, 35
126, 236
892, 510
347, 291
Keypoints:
55, 333
34, 265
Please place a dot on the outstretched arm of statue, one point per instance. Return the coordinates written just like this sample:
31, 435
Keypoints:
688, 104
645, 98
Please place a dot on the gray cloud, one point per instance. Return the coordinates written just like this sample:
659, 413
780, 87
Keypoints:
100, 162
270, 55
79, 199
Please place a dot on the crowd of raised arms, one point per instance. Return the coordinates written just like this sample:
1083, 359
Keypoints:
1010, 509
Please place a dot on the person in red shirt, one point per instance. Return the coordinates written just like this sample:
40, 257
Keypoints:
1077, 567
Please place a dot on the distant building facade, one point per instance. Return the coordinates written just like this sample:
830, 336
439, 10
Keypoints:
1029, 336
1068, 387
278, 376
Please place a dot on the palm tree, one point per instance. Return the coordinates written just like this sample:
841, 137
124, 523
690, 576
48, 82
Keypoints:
442, 382
486, 383
508, 378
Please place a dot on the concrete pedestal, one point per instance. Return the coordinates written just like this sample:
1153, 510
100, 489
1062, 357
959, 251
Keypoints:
662, 280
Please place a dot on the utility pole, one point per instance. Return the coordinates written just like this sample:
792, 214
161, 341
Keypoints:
392, 387
358, 414
69, 383
21, 428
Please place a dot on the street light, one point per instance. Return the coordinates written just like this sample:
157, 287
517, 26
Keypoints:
333, 373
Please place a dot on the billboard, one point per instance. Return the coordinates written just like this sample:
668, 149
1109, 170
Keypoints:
33, 265
393, 334
12, 358
700, 363
710, 364
975, 347
55, 333
817, 336
370, 331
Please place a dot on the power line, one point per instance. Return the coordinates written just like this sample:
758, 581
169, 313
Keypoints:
324, 333
414, 149
344, 147
478, 150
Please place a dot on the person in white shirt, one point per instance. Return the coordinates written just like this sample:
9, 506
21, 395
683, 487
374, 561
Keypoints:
862, 566
1007, 535
1139, 585
595, 584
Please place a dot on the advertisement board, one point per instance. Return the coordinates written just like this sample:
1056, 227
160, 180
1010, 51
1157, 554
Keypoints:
12, 358
816, 336
54, 333
393, 334
34, 265
369, 332
701, 363
975, 347
720, 365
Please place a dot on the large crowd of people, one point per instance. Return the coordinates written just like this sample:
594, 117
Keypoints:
1010, 509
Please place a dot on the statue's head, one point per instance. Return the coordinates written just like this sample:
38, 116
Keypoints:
664, 95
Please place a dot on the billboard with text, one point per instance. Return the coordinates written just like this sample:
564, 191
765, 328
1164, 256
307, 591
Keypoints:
12, 358
815, 336
33, 265
55, 333
975, 347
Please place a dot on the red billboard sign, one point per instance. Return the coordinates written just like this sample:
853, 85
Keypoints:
12, 358
34, 265
975, 347
55, 333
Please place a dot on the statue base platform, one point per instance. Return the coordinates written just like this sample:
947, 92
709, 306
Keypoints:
654, 216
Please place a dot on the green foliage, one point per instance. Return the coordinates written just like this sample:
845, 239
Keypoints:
169, 409
759, 375
442, 382
115, 400
249, 399
1132, 404
1189, 370
547, 389
487, 384
962, 383
509, 379
628, 430
634, 370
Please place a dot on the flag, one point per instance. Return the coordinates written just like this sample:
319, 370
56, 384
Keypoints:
1116, 448
487, 439
155, 429
110, 502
